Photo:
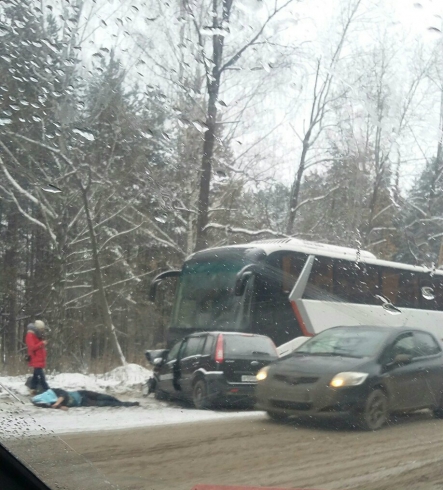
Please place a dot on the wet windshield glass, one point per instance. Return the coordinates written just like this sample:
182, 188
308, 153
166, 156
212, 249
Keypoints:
152, 149
351, 342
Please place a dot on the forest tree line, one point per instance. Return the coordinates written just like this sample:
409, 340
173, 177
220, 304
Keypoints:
117, 163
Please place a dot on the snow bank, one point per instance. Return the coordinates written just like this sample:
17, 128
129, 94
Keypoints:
120, 380
131, 376
18, 420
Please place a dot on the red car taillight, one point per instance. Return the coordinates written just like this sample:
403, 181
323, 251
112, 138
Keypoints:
219, 354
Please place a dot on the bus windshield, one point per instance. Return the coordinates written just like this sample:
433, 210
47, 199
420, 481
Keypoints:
205, 297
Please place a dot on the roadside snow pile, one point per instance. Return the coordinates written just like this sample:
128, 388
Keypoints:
124, 378
120, 380
130, 375
73, 381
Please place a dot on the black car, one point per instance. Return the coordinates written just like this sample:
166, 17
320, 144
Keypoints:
362, 372
211, 367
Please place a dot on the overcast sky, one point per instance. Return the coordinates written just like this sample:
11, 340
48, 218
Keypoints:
142, 37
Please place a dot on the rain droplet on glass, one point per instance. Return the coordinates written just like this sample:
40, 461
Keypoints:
428, 293
147, 134
200, 126
220, 173
390, 308
51, 189
84, 134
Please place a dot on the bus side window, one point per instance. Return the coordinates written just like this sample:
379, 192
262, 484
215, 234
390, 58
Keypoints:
320, 285
368, 284
408, 290
355, 283
291, 266
432, 297
389, 284
438, 292
429, 287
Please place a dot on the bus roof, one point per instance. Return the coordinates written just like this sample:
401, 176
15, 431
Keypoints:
313, 248
322, 249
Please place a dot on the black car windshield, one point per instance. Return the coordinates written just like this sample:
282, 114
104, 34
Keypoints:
205, 298
346, 342
249, 345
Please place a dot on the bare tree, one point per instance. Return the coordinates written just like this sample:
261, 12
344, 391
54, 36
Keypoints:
323, 96
221, 11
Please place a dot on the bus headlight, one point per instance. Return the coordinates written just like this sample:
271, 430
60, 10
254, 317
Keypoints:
348, 379
262, 374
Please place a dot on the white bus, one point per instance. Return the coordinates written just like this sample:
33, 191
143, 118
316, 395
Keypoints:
292, 289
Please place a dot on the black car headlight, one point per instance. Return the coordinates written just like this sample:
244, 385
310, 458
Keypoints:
348, 379
262, 374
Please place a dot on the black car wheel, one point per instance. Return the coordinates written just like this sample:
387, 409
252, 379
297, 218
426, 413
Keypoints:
375, 412
277, 416
200, 395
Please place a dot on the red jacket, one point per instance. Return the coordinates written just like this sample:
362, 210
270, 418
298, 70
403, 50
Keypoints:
36, 350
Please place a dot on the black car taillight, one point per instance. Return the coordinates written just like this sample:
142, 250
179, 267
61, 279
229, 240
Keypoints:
219, 354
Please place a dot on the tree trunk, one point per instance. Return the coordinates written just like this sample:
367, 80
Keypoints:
10, 284
295, 190
213, 86
106, 313
206, 166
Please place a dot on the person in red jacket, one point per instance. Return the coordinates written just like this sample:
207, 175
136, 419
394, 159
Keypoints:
37, 354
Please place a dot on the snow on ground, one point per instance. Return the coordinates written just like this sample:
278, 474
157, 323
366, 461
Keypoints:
122, 379
17, 419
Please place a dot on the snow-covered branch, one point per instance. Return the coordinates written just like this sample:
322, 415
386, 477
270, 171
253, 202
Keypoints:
244, 231
315, 199
125, 232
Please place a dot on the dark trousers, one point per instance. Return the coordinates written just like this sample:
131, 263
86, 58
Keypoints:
94, 399
38, 378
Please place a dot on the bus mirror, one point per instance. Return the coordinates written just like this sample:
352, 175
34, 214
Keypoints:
243, 277
240, 283
158, 279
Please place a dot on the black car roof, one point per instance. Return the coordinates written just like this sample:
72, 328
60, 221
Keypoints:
383, 327
246, 334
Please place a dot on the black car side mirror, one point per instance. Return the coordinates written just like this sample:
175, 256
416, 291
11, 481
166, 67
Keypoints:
158, 361
153, 355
